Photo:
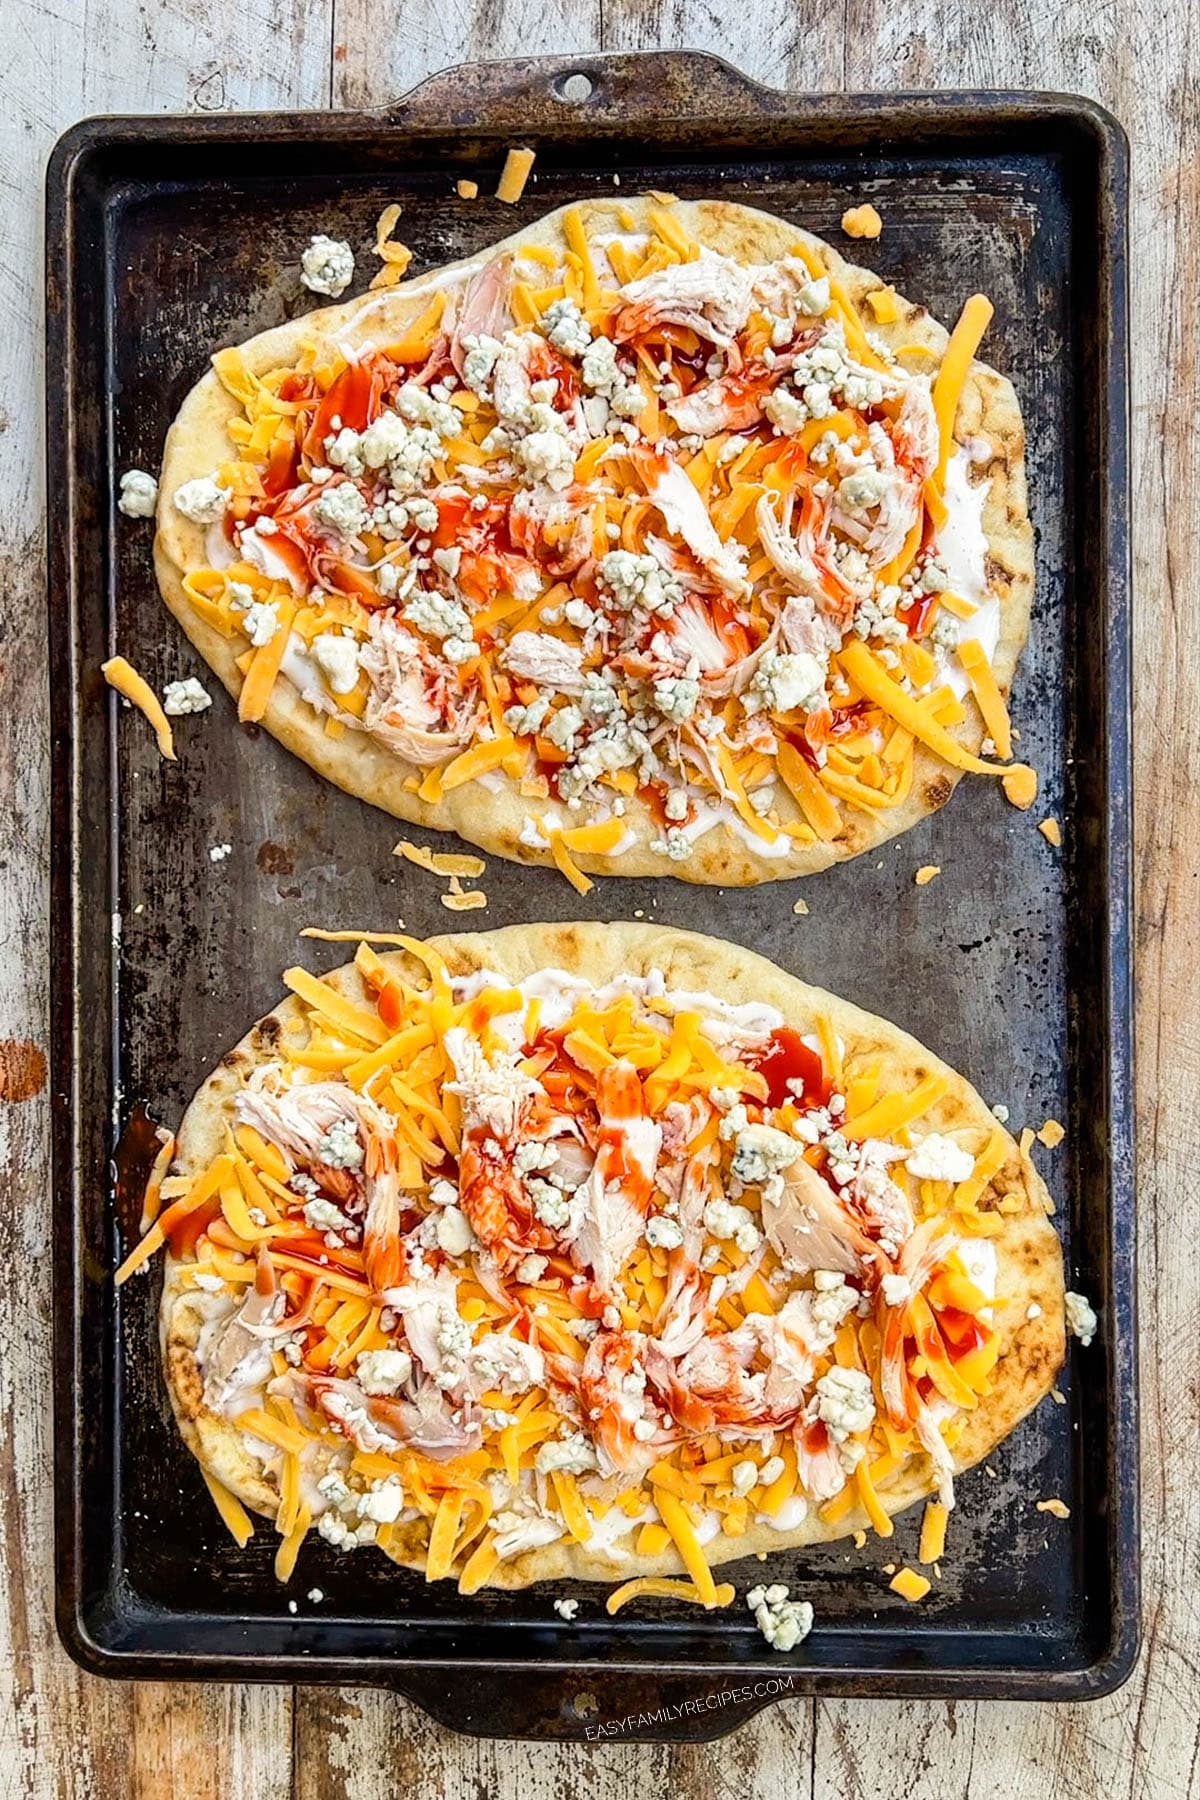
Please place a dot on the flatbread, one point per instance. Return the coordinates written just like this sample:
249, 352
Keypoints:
495, 814
1029, 1258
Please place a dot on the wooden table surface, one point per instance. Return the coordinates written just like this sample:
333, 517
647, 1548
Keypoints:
62, 1732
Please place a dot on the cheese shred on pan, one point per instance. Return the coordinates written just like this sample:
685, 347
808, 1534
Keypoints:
548, 1263
133, 687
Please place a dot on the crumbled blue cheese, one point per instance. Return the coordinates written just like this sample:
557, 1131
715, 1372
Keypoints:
897, 1289
202, 500
383, 1501
550, 1204
744, 1476
340, 1147
342, 509
383, 1371
761, 1154
323, 1215
813, 298
337, 658
638, 580
344, 450
786, 411
438, 616
664, 1233
833, 1299
407, 452
546, 456
602, 374
783, 1622
674, 843
327, 265
785, 680
1082, 1321
863, 489
565, 326
527, 721
261, 623
566, 1609
454, 1234
574, 1454
139, 494
846, 1402
676, 697
419, 407
564, 727
727, 1221
183, 697
875, 616
479, 362
938, 1158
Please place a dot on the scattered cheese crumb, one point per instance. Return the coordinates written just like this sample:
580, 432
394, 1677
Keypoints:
440, 862
316, 1595
1059, 1508
456, 900
926, 874
1020, 786
1051, 830
1051, 1134
860, 1540
909, 1585
327, 265
514, 175
1058, 1397
1082, 1321
219, 852
801, 909
139, 494
933, 1532
566, 1609
1025, 1141
395, 256
861, 222
467, 190
134, 688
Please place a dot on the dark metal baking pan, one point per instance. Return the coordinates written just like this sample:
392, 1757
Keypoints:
169, 237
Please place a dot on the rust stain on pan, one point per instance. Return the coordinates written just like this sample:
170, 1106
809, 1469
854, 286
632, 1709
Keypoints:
22, 1069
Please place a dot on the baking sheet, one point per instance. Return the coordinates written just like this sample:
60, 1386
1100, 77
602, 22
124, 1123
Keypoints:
168, 239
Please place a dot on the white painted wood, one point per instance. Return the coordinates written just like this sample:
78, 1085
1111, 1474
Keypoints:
62, 1733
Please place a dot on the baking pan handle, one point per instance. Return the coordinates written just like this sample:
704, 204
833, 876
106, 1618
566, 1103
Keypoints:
589, 1707
559, 93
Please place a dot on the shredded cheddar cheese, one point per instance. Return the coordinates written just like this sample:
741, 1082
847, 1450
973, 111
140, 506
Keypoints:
514, 175
133, 687
909, 1585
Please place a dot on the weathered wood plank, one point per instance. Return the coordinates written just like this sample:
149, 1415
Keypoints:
1145, 1740
63, 1733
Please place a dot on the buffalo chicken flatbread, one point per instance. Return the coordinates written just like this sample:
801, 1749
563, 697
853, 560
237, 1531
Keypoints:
597, 1252
656, 540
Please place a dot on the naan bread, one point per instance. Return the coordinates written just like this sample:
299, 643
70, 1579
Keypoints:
1029, 1264
499, 811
